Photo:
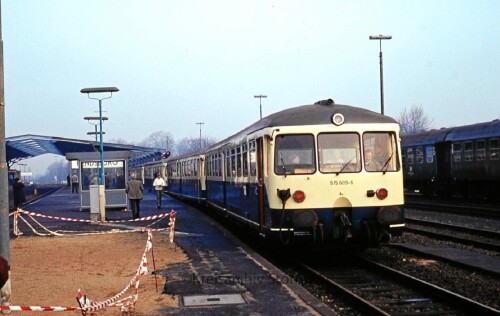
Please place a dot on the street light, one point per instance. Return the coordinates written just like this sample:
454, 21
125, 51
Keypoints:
89, 91
200, 123
95, 118
380, 38
260, 96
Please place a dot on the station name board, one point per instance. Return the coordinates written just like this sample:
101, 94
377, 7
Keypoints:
107, 164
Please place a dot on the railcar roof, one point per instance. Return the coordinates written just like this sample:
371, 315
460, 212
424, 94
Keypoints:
425, 138
318, 113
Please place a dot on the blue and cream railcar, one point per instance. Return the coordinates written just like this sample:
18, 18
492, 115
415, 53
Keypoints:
147, 172
186, 177
300, 175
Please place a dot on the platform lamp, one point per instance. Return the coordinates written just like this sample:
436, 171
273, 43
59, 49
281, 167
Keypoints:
380, 38
109, 93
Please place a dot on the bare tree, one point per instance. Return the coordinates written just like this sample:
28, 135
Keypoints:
159, 139
120, 141
190, 145
413, 120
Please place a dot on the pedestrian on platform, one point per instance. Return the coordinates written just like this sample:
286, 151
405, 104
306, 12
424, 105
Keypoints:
74, 183
135, 191
19, 197
158, 184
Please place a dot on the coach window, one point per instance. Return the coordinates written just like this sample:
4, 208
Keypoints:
339, 153
468, 155
419, 154
384, 148
494, 149
480, 150
429, 154
410, 156
294, 154
456, 150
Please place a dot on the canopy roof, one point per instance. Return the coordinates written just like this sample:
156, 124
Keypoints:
28, 146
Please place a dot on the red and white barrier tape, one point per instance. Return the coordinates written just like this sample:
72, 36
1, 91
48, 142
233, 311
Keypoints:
126, 304
20, 308
92, 306
18, 214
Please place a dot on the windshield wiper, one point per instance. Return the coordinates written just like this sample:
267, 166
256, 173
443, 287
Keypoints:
344, 166
386, 165
283, 164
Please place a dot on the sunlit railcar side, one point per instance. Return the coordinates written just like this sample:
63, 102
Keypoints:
147, 171
186, 177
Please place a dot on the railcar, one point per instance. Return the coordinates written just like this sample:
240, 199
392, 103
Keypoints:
147, 172
301, 176
461, 160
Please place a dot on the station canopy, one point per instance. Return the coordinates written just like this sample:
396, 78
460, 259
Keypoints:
28, 146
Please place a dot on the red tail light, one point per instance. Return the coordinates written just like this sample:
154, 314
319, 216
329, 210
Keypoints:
382, 193
299, 196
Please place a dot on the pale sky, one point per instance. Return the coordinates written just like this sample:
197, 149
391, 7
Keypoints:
181, 62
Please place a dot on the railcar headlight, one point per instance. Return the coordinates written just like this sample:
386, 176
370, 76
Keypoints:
299, 196
382, 193
338, 119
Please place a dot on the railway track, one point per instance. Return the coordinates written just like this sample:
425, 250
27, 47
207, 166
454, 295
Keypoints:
480, 238
375, 289
454, 207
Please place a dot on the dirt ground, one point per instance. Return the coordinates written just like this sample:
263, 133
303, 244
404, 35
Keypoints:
48, 271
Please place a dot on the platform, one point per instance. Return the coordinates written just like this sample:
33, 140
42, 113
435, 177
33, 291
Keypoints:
222, 277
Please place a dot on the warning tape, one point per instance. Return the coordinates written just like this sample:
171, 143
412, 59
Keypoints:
18, 215
92, 306
126, 304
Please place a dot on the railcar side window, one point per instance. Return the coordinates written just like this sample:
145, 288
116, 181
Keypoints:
468, 151
339, 152
494, 149
457, 152
253, 159
245, 160
381, 151
228, 163
480, 150
294, 154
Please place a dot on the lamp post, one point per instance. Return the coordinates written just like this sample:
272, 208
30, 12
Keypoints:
260, 96
200, 123
96, 133
380, 38
89, 91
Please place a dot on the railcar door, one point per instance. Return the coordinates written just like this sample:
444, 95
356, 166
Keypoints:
260, 181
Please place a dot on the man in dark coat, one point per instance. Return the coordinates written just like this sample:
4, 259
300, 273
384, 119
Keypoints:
134, 191
19, 197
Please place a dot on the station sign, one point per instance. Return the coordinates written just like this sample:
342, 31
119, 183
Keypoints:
107, 164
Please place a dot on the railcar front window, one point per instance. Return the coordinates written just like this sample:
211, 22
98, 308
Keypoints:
339, 153
381, 152
294, 154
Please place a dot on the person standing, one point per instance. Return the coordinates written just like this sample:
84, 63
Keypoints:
134, 192
19, 197
74, 183
158, 184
